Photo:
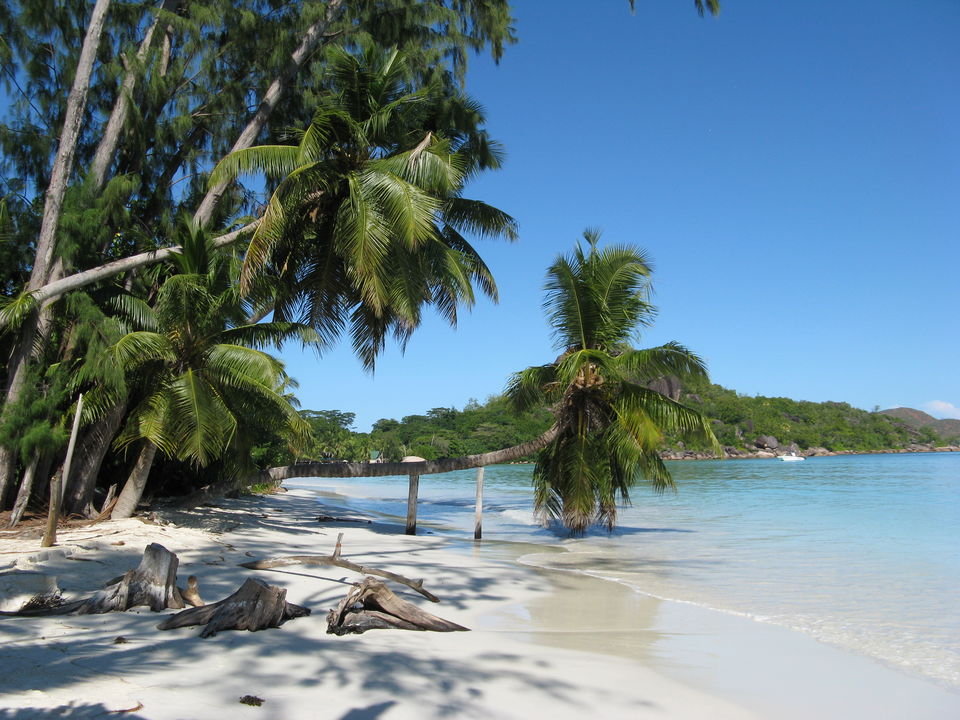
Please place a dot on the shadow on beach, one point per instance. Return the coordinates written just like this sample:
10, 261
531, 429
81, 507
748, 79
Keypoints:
71, 711
70, 655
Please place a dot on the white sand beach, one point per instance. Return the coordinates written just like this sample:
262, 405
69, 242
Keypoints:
542, 643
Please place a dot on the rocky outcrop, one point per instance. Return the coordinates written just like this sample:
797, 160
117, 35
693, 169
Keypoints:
767, 442
667, 385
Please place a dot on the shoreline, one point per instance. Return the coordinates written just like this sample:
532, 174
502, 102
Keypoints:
743, 454
543, 641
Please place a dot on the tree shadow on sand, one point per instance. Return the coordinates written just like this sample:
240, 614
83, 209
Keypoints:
72, 711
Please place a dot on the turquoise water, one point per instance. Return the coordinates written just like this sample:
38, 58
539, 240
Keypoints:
862, 552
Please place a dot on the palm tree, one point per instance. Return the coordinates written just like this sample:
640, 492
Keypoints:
203, 379
366, 224
610, 425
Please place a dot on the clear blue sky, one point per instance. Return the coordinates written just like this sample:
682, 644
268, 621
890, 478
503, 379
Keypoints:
793, 169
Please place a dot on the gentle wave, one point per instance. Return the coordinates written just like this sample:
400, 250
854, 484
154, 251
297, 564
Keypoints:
860, 552
891, 645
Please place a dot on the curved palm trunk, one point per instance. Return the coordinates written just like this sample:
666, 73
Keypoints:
428, 467
133, 488
78, 495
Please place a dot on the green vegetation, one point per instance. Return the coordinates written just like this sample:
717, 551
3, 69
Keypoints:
738, 420
136, 122
440, 432
611, 426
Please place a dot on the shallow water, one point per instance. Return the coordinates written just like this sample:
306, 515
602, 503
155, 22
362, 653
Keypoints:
862, 551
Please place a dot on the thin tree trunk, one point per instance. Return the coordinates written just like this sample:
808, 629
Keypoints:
59, 480
53, 512
78, 497
38, 496
311, 39
63, 163
133, 488
107, 148
53, 205
8, 464
26, 486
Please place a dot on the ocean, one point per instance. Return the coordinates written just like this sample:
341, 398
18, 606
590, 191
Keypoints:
857, 551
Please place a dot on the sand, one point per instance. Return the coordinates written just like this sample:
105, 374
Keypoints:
542, 643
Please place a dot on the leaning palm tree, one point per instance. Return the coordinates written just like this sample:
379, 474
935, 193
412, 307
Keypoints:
610, 425
202, 376
367, 222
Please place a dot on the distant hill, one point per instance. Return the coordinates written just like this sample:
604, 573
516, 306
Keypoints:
743, 424
947, 429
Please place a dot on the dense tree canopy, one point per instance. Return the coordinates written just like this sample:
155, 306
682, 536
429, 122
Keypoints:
171, 88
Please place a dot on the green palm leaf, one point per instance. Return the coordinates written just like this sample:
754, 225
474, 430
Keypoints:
610, 427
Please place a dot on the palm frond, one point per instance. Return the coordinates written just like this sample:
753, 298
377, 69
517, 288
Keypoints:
671, 358
269, 334
274, 161
479, 218
136, 313
199, 425
137, 348
666, 414
14, 310
533, 387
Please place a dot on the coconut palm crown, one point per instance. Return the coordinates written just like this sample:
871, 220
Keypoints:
367, 222
611, 425
201, 381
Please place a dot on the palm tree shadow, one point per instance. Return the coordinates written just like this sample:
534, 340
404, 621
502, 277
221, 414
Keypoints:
371, 712
71, 711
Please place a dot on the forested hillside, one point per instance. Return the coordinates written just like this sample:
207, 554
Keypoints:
740, 423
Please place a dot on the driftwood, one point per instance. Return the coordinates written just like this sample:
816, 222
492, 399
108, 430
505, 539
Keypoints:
338, 561
371, 605
331, 518
153, 583
255, 606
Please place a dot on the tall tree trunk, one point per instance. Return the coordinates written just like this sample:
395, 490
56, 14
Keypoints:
53, 205
8, 464
107, 148
63, 163
78, 494
133, 488
38, 496
26, 486
311, 39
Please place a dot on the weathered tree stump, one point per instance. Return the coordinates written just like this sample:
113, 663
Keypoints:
371, 605
153, 583
255, 606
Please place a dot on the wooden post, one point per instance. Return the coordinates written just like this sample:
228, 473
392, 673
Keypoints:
478, 526
57, 484
412, 504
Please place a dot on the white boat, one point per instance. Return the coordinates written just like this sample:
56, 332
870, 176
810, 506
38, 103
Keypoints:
791, 457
